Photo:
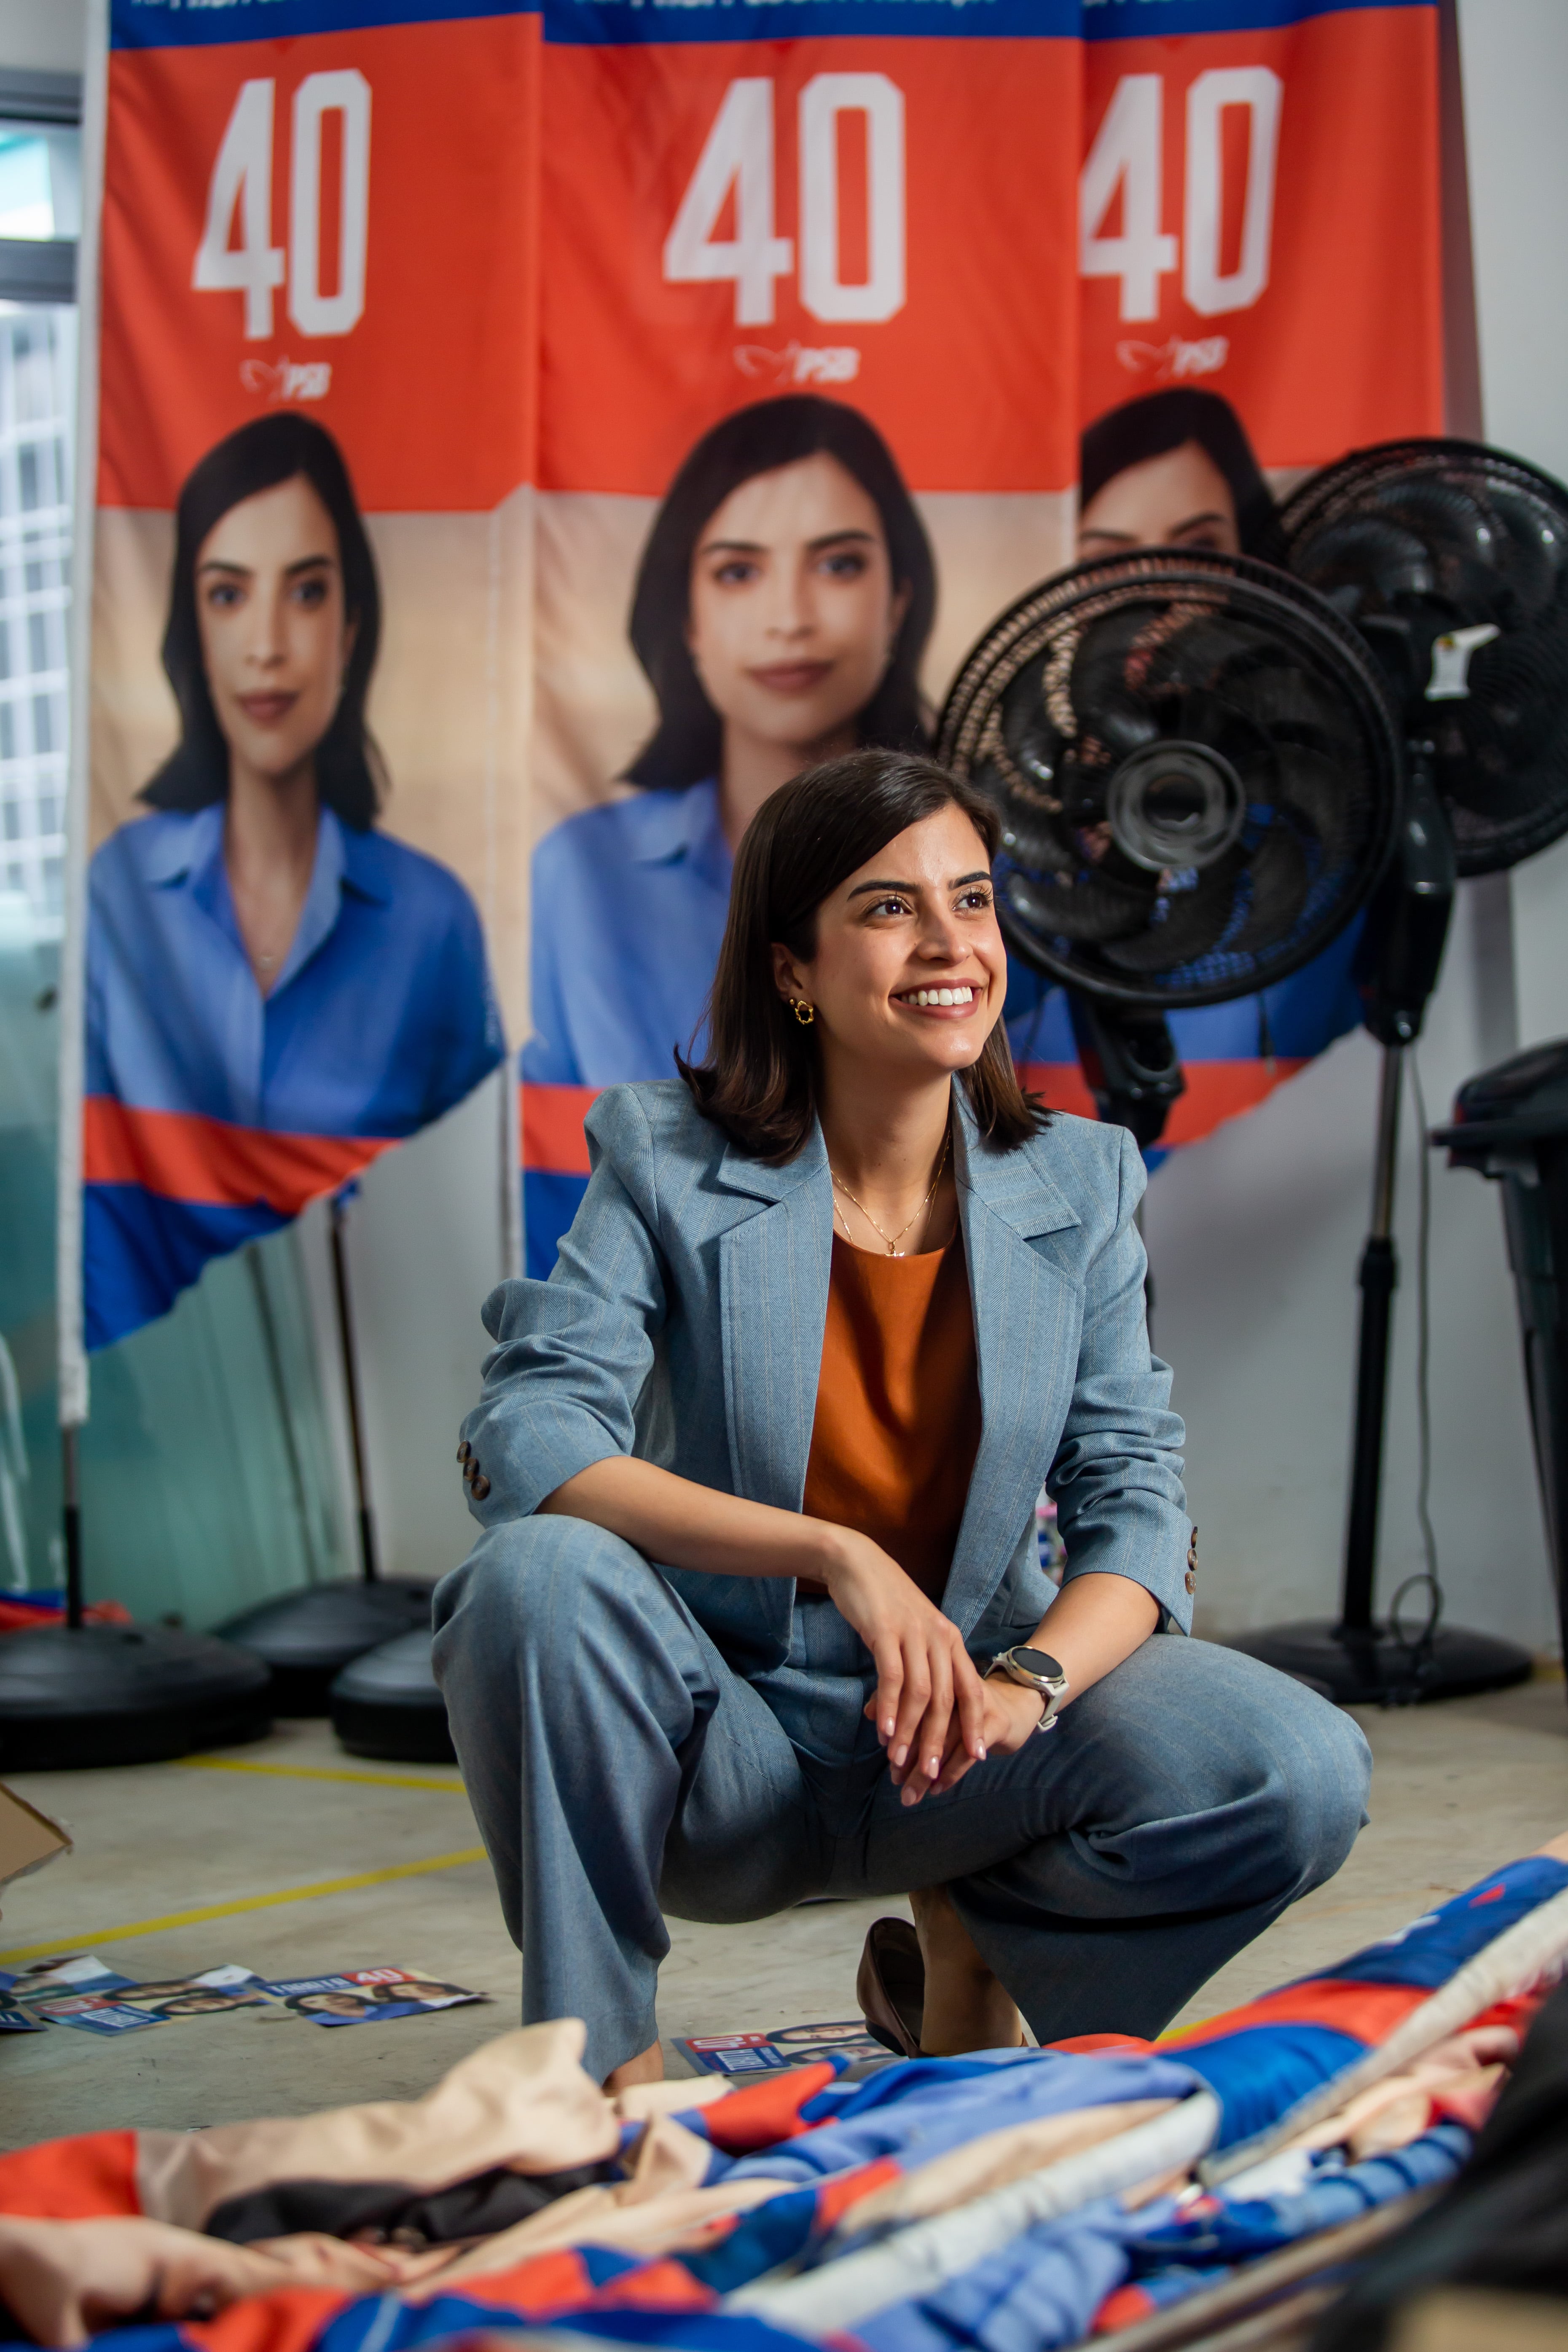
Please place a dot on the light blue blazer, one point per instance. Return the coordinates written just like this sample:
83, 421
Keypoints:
683, 1323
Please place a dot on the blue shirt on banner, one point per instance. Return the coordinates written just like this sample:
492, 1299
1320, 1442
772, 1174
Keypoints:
629, 905
381, 1016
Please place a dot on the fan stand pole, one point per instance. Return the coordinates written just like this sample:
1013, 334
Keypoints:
1378, 1279
1353, 1657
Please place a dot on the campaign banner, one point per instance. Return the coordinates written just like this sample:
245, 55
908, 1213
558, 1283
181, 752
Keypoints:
847, 309
527, 437
312, 636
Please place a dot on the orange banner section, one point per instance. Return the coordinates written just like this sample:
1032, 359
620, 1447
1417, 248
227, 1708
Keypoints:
207, 1162
553, 1144
344, 224
1285, 248
1216, 1091
934, 292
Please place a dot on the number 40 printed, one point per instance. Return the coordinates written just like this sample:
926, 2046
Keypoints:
240, 192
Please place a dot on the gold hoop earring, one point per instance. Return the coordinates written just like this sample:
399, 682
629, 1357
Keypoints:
804, 1013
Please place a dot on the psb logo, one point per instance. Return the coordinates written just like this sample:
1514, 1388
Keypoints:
288, 378
1174, 361
799, 364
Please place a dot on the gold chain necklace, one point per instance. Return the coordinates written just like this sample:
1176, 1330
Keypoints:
893, 1240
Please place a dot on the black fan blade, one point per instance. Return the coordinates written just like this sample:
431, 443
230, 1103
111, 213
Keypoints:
1367, 556
1310, 793
1194, 922
1279, 879
1088, 910
1534, 552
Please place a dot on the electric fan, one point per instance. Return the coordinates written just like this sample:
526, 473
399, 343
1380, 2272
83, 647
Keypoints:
1197, 780
1451, 560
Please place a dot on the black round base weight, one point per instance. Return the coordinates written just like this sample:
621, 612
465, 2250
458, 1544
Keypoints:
1377, 1668
124, 1694
306, 1638
387, 1704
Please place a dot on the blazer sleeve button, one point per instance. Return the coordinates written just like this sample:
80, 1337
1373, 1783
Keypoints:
481, 1488
464, 1451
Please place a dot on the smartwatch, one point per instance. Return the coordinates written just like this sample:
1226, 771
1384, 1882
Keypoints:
1036, 1671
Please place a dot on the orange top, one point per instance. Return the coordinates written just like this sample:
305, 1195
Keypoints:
897, 1405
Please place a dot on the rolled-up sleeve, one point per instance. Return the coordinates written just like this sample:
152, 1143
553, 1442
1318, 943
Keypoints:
572, 1355
1117, 1478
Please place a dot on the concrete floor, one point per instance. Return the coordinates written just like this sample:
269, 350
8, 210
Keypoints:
267, 1835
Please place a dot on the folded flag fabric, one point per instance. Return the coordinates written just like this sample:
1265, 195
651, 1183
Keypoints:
1007, 2201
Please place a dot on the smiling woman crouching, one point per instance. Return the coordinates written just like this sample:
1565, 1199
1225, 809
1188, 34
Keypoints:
757, 1611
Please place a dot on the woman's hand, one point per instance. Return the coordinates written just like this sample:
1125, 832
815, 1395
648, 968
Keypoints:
928, 1699
1010, 1714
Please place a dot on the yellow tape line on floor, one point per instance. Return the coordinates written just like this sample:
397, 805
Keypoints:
314, 1773
86, 1938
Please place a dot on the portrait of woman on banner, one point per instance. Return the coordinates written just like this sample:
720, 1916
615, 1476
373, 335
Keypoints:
259, 953
782, 607
1175, 469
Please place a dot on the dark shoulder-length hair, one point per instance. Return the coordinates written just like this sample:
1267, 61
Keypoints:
1162, 421
760, 1081
685, 746
260, 456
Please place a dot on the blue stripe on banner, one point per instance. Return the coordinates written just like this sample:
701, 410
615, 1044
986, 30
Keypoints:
1124, 20
140, 1250
610, 23
202, 24
189, 23
550, 1201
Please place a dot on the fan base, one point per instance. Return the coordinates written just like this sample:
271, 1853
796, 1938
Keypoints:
1373, 1667
94, 1694
388, 1705
309, 1636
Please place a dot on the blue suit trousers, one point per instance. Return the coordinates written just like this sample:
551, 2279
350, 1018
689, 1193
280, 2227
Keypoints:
622, 1768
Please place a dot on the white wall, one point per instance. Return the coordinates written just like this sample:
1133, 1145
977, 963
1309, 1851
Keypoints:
1515, 59
1254, 1238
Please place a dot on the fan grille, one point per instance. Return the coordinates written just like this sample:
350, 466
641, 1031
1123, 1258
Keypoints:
1194, 768
1417, 541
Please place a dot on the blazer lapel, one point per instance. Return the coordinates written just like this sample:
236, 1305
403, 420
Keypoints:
1027, 1315
773, 1272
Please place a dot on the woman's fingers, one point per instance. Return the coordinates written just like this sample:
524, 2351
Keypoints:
932, 1742
888, 1660
913, 1701
969, 1693
955, 1764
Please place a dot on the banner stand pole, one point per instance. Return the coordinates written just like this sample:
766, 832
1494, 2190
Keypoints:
368, 1568
71, 1516
309, 1636
73, 1693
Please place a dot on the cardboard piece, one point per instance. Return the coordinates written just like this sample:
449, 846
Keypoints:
28, 1838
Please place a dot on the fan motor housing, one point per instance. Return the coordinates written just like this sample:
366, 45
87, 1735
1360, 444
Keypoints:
1175, 805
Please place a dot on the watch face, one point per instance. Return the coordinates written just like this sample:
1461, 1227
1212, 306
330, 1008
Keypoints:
1038, 1662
